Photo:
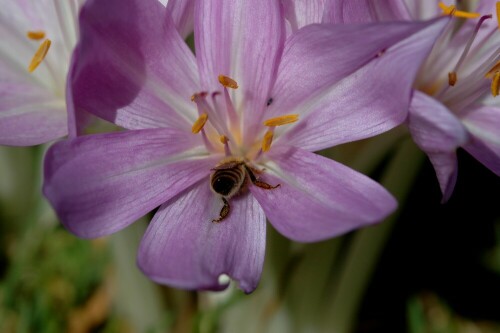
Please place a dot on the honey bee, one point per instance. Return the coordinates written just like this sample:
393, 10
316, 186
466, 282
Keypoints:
230, 178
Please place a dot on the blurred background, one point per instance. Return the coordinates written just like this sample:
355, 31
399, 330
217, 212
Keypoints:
429, 268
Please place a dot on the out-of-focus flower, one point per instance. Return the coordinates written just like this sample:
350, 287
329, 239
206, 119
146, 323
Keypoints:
36, 41
453, 104
210, 138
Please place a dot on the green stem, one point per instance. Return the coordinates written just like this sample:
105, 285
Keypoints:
368, 244
137, 298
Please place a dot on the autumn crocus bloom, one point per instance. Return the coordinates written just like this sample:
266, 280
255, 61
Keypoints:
454, 102
451, 107
36, 41
252, 105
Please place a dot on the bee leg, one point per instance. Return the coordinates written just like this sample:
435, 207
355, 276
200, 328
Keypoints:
259, 183
223, 212
264, 185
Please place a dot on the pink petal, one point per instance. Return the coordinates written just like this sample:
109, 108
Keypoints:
433, 127
182, 12
446, 166
32, 123
184, 248
362, 11
29, 113
349, 82
318, 198
438, 133
483, 124
133, 67
243, 40
99, 184
78, 119
300, 13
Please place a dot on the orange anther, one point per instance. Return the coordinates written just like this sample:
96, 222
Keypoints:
35, 35
39, 55
227, 82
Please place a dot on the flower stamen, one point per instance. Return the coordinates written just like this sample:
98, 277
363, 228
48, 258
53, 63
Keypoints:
268, 139
199, 123
452, 10
39, 55
495, 85
227, 82
464, 54
281, 120
498, 13
447, 10
452, 78
493, 70
225, 141
35, 35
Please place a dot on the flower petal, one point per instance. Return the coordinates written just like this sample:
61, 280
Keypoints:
78, 119
446, 166
483, 124
243, 40
424, 10
29, 113
182, 12
433, 127
353, 81
363, 11
99, 184
318, 197
33, 123
438, 133
133, 67
300, 13
184, 248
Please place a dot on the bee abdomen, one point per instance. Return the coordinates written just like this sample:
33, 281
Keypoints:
228, 182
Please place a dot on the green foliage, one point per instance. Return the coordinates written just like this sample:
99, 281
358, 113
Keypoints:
49, 274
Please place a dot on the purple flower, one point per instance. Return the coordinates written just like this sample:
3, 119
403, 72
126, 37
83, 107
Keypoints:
36, 41
228, 135
450, 107
453, 103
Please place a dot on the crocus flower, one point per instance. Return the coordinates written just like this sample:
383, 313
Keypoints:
221, 140
450, 107
36, 41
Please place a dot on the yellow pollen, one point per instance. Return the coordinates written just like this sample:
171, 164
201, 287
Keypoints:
39, 55
452, 78
498, 13
266, 142
35, 35
452, 10
493, 70
199, 123
227, 82
495, 85
223, 139
282, 120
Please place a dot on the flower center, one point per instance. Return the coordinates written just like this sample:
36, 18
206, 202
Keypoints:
221, 129
437, 86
